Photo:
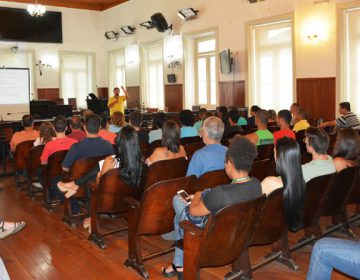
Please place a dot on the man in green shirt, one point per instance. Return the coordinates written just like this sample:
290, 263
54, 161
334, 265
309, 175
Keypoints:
262, 136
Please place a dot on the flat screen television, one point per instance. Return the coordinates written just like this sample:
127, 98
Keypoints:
225, 61
17, 25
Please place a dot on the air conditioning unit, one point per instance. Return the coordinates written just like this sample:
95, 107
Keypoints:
255, 1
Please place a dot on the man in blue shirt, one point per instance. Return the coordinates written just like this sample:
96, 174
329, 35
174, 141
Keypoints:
212, 156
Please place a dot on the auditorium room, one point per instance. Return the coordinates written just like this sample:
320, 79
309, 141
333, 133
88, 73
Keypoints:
179, 139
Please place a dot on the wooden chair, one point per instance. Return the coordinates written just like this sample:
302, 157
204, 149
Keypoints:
52, 170
271, 231
273, 128
211, 179
72, 102
165, 170
263, 168
188, 140
354, 197
78, 169
21, 159
224, 240
265, 152
59, 101
332, 138
315, 192
191, 148
145, 149
152, 215
7, 133
250, 130
226, 142
108, 197
34, 164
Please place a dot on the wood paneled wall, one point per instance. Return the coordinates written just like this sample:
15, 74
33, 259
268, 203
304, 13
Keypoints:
134, 97
317, 96
232, 93
48, 93
174, 97
103, 92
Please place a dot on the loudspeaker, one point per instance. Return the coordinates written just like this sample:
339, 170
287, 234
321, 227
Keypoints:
171, 78
159, 22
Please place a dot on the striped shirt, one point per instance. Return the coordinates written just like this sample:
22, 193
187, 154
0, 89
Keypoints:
350, 120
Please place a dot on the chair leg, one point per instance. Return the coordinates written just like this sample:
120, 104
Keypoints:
67, 211
135, 259
282, 245
241, 264
95, 235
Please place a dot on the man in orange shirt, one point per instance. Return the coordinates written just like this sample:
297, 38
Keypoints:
27, 134
104, 133
60, 143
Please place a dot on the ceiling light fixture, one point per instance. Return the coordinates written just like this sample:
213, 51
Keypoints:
128, 30
147, 24
111, 35
36, 10
187, 13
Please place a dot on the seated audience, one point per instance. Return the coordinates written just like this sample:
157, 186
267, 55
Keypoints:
86, 113
239, 160
317, 144
294, 108
300, 119
242, 121
93, 145
288, 167
234, 127
272, 115
46, 134
283, 122
76, 132
135, 120
10, 228
222, 113
104, 133
262, 136
187, 119
347, 119
334, 253
117, 122
158, 122
347, 149
60, 143
26, 135
212, 156
171, 147
251, 119
202, 116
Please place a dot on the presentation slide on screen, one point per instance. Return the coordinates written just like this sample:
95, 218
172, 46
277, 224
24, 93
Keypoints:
14, 93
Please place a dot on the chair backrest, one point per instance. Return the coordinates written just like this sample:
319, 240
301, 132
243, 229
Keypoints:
265, 151
111, 192
82, 166
355, 191
263, 168
339, 191
226, 142
187, 140
8, 133
22, 154
332, 138
228, 232
34, 161
315, 192
211, 179
54, 164
145, 149
191, 148
270, 229
59, 101
157, 212
165, 170
72, 102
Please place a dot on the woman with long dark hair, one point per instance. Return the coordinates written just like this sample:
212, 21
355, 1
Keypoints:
347, 149
171, 147
288, 167
46, 133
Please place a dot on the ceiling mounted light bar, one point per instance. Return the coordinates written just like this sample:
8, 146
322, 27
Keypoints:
187, 13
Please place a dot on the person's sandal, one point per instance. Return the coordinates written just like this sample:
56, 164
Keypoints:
7, 232
173, 273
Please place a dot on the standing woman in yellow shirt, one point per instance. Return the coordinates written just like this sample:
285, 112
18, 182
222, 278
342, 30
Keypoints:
116, 102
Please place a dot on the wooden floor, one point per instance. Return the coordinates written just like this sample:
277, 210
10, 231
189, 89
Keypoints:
49, 249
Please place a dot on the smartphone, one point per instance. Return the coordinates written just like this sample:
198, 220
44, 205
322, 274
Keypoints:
184, 195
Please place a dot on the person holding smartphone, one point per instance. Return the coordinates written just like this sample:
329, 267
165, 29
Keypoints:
195, 208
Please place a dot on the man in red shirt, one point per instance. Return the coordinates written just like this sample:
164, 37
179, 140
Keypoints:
60, 143
104, 133
283, 121
76, 132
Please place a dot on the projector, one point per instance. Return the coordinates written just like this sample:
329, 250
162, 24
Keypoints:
255, 1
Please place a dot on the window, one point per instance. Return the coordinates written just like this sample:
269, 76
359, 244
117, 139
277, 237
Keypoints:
271, 65
350, 57
20, 60
152, 78
116, 69
77, 77
205, 70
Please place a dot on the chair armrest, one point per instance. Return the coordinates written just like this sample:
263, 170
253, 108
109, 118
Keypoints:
187, 226
132, 202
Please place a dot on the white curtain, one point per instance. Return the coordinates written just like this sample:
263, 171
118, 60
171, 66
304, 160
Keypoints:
189, 58
152, 77
77, 77
350, 74
271, 65
116, 69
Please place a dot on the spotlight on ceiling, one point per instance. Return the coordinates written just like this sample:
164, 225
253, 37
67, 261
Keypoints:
111, 35
147, 24
187, 13
128, 30
159, 21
